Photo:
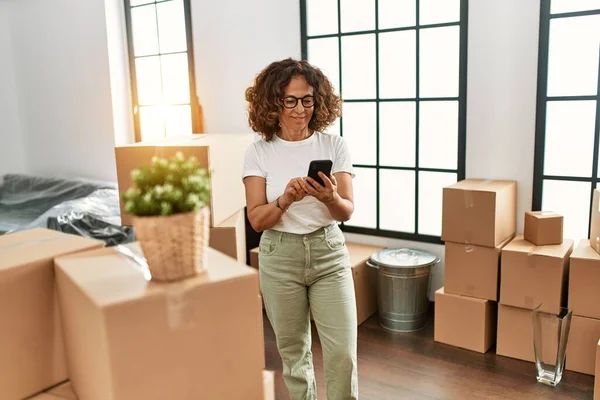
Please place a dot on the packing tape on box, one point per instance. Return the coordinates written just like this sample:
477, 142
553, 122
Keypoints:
469, 199
469, 248
177, 304
531, 260
469, 202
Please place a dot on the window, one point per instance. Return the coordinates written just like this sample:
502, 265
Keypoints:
400, 68
568, 112
162, 68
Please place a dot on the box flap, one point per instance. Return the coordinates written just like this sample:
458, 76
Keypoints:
465, 298
544, 214
109, 276
520, 245
40, 244
481, 185
361, 252
585, 251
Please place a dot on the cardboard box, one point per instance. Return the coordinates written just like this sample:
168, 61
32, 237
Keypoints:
222, 154
269, 385
543, 228
254, 258
229, 237
480, 212
365, 279
32, 356
464, 322
582, 344
127, 338
595, 224
515, 333
532, 275
597, 376
473, 271
584, 281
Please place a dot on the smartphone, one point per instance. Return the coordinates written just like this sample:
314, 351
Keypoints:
317, 166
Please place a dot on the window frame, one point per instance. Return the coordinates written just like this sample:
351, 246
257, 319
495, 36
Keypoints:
195, 116
541, 107
462, 110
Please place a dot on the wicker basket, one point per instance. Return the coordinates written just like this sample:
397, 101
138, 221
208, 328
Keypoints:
174, 246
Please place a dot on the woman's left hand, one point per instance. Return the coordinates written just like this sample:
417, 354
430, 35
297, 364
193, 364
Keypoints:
325, 194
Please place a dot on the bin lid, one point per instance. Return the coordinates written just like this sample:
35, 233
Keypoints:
403, 258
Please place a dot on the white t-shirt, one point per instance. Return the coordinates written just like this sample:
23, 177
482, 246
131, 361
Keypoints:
278, 161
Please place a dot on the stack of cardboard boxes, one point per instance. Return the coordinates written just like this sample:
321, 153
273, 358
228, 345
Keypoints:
223, 155
535, 269
365, 278
584, 299
478, 220
73, 309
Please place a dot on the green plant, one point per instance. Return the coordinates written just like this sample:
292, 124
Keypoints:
168, 186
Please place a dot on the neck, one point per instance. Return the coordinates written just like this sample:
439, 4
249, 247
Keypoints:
292, 135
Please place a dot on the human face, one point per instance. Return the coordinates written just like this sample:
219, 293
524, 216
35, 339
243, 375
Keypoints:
295, 120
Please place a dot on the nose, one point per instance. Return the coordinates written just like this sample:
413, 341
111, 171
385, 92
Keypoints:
299, 106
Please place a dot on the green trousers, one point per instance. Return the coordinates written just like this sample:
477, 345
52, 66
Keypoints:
312, 271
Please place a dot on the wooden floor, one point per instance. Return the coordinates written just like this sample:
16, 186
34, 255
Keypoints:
413, 366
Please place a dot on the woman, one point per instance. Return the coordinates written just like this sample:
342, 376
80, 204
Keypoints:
304, 263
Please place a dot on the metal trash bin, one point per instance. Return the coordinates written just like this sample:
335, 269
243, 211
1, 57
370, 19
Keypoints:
403, 280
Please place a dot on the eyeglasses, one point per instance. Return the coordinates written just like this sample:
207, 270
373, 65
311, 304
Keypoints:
308, 101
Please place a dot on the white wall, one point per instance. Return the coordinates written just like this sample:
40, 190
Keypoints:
118, 61
501, 104
62, 67
12, 147
233, 41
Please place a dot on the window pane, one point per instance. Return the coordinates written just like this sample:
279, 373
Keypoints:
147, 72
357, 15
572, 200
358, 67
438, 134
133, 3
321, 17
397, 64
438, 11
143, 26
334, 128
324, 54
365, 209
430, 200
397, 13
171, 26
561, 6
397, 200
178, 120
573, 56
569, 138
397, 133
152, 124
360, 124
439, 62
176, 79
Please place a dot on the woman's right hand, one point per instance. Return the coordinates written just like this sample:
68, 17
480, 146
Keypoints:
295, 191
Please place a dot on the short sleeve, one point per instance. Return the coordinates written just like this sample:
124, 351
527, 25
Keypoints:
252, 164
342, 161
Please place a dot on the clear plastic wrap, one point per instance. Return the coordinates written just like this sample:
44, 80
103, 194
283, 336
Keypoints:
28, 201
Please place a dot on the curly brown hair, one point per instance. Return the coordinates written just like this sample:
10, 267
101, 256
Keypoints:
264, 104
